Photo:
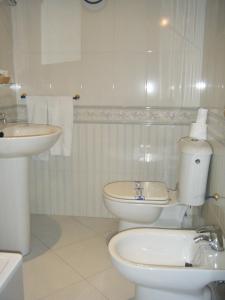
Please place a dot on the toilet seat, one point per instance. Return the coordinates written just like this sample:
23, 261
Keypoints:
145, 192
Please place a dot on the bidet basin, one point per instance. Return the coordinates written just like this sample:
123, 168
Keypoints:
24, 139
166, 263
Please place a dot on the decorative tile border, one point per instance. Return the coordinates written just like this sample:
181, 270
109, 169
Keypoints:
127, 115
134, 115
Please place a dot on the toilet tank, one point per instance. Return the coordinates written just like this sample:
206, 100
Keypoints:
193, 171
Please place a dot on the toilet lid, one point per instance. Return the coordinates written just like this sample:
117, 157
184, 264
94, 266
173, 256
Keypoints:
151, 191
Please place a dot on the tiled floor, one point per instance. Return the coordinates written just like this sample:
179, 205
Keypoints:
70, 261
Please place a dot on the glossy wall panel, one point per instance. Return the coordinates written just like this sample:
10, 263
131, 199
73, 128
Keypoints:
6, 49
213, 72
133, 53
213, 97
214, 211
163, 53
7, 96
103, 153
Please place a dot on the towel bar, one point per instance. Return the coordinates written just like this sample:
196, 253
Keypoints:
75, 97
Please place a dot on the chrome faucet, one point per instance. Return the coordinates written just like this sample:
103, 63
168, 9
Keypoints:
213, 235
3, 118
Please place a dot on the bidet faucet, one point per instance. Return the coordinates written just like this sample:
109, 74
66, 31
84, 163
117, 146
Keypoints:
213, 235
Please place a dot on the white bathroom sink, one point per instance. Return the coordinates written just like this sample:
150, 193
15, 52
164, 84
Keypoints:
23, 139
167, 261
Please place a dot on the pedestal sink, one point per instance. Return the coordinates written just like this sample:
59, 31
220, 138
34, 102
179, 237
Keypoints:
19, 141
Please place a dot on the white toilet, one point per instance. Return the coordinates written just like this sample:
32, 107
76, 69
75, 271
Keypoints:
152, 204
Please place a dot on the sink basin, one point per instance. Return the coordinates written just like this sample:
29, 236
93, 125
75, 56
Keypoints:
23, 139
166, 263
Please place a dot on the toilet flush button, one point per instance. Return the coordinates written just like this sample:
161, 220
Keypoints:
197, 161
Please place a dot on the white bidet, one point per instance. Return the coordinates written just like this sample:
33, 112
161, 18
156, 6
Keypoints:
166, 263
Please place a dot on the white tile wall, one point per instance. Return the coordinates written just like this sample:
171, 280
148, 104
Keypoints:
7, 96
214, 58
117, 66
103, 153
214, 211
213, 97
129, 60
6, 50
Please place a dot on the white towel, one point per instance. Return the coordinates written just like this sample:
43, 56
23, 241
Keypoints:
60, 113
37, 109
37, 112
53, 110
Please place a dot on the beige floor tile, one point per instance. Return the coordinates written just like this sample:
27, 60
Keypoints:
45, 274
88, 257
78, 291
100, 225
59, 231
113, 285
